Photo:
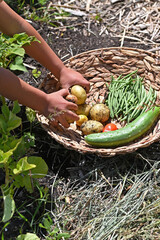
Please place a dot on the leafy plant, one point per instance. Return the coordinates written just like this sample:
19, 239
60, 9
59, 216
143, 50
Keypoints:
36, 73
28, 236
48, 14
12, 51
31, 116
53, 233
20, 170
19, 5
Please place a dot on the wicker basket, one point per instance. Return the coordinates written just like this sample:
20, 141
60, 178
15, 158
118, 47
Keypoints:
97, 66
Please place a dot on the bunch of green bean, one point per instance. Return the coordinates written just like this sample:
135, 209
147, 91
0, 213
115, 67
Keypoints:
127, 97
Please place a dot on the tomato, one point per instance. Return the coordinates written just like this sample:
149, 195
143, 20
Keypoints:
110, 127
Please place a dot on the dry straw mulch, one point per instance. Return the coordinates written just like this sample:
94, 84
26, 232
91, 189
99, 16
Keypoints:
133, 20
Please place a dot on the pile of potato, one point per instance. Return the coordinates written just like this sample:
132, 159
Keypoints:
91, 118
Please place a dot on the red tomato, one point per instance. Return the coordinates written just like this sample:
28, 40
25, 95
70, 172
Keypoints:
110, 127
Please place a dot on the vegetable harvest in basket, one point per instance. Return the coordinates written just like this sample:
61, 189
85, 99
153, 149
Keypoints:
126, 134
128, 102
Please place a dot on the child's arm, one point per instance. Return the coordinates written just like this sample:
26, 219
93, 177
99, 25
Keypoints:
11, 23
14, 88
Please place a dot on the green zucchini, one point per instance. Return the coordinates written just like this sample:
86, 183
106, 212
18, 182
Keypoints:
127, 134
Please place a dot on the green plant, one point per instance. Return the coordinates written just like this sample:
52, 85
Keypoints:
28, 236
53, 233
36, 73
20, 170
12, 51
98, 18
31, 116
50, 15
31, 211
19, 5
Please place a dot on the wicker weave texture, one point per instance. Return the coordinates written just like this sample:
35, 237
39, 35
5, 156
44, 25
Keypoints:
97, 66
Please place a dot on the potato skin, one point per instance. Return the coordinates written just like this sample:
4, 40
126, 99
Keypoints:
71, 98
91, 126
83, 109
100, 112
82, 119
80, 93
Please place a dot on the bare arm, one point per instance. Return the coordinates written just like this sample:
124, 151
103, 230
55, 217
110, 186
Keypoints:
14, 88
11, 23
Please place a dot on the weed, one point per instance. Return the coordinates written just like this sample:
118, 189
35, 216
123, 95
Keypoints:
53, 233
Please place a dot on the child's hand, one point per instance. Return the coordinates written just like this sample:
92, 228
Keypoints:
69, 77
59, 110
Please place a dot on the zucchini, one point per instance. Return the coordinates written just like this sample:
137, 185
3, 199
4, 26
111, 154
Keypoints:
127, 134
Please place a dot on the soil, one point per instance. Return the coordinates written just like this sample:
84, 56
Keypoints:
69, 164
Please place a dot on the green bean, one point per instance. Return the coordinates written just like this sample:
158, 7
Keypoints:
127, 97
128, 75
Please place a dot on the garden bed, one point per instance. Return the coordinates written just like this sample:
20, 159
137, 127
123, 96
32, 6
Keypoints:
80, 185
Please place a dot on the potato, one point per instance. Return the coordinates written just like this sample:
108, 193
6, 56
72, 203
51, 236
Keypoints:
82, 119
71, 98
83, 109
80, 93
99, 112
69, 120
91, 126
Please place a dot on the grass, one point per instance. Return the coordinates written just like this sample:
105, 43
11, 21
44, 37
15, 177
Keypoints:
104, 210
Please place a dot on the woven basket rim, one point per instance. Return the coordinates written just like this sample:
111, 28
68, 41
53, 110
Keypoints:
112, 48
71, 144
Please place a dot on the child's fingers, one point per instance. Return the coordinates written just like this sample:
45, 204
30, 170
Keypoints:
63, 92
64, 122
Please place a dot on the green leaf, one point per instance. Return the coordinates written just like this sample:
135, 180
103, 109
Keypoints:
28, 141
5, 111
27, 183
9, 207
41, 168
17, 51
23, 39
20, 37
16, 107
3, 124
36, 73
13, 121
31, 114
15, 143
54, 232
41, 226
47, 224
28, 236
11, 143
18, 181
63, 235
12, 47
23, 166
4, 156
18, 65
